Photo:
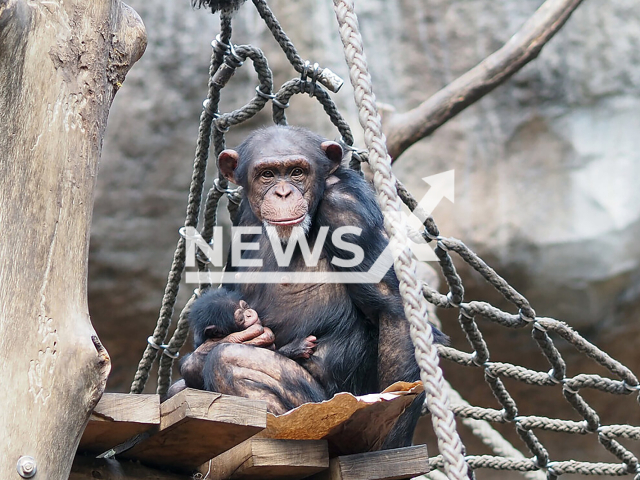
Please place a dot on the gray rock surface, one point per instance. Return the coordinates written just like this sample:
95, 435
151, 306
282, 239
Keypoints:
547, 166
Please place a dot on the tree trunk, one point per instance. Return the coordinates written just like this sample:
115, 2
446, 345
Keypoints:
61, 63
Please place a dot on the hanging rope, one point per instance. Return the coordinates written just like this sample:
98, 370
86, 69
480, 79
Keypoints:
405, 265
193, 209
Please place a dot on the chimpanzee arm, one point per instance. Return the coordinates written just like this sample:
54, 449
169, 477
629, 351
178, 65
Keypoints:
350, 202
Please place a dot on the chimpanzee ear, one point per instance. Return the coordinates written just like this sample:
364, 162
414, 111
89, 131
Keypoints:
212, 332
333, 151
227, 163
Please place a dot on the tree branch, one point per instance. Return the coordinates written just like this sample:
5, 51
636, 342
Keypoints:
405, 129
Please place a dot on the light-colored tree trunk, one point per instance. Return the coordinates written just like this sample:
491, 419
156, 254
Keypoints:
61, 63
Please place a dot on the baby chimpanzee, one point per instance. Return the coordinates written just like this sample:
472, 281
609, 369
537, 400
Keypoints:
221, 315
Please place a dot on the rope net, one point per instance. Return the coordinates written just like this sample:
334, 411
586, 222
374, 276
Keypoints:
226, 58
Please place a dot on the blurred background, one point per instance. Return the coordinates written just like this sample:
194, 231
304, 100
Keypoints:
547, 172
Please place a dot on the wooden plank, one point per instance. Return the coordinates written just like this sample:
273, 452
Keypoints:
196, 426
266, 458
393, 464
87, 468
118, 417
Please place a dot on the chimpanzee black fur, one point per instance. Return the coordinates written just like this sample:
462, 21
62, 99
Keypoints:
212, 316
363, 342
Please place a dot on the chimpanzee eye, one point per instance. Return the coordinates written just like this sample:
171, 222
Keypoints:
267, 174
297, 172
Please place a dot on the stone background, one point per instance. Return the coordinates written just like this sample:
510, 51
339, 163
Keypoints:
547, 169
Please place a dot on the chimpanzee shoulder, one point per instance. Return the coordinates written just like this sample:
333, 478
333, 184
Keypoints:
349, 200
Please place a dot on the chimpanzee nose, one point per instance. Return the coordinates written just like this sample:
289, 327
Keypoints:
283, 190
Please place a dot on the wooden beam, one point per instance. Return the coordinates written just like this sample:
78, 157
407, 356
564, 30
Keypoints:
86, 468
393, 464
266, 458
117, 418
196, 426
61, 63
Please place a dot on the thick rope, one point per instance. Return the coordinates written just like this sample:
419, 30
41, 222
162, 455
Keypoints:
411, 290
191, 220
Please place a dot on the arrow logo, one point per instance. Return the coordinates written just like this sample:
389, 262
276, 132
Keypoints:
442, 186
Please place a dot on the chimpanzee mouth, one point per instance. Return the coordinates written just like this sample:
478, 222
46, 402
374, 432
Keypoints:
287, 223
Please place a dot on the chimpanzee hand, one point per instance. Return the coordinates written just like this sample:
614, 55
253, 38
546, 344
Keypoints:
252, 332
256, 335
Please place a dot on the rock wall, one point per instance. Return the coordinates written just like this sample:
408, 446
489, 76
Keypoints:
547, 166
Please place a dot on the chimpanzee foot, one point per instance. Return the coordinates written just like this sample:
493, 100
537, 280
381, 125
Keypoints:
300, 349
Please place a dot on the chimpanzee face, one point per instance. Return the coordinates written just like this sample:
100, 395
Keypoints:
281, 190
283, 182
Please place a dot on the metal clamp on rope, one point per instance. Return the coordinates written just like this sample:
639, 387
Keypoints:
630, 388
351, 148
228, 68
162, 347
529, 319
552, 376
278, 103
234, 60
567, 387
324, 75
219, 46
219, 126
266, 96
440, 244
216, 184
314, 76
183, 233
233, 194
206, 105
454, 303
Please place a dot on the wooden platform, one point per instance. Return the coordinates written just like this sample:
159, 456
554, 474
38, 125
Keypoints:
196, 426
181, 433
214, 433
394, 464
117, 418
266, 458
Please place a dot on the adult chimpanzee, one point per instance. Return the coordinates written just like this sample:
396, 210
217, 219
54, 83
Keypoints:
297, 189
